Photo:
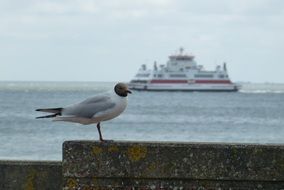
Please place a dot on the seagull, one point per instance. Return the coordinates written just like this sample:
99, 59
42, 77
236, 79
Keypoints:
92, 110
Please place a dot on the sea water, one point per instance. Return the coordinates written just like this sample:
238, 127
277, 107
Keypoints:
253, 115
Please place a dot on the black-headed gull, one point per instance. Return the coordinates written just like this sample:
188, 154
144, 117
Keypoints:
92, 110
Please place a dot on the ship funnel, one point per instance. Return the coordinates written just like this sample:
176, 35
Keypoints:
225, 66
181, 50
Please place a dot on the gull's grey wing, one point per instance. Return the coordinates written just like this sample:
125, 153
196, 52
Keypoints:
89, 107
100, 98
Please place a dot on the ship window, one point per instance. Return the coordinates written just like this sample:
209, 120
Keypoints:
138, 81
221, 76
160, 75
184, 58
203, 76
142, 75
178, 75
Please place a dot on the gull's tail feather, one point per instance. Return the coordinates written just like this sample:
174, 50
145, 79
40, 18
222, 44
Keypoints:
56, 111
50, 110
48, 116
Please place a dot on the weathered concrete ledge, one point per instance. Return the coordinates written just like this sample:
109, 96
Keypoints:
30, 175
94, 165
161, 165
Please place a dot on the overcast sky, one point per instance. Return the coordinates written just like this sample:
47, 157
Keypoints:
92, 40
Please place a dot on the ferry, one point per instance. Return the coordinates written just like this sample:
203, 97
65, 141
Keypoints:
182, 73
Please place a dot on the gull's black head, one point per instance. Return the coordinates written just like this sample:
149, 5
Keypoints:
121, 89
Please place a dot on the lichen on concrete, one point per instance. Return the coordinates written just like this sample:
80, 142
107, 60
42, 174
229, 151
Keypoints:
97, 150
173, 165
71, 184
30, 175
136, 152
30, 181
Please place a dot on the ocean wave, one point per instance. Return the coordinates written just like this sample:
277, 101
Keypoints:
261, 88
262, 91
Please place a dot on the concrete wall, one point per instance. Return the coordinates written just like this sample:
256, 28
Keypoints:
152, 165
30, 175
90, 165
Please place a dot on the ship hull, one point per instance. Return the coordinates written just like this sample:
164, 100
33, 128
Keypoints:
185, 87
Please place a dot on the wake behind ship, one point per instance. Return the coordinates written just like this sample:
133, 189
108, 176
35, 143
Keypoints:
182, 73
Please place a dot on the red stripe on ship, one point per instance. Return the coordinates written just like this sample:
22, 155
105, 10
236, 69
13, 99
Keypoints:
196, 81
213, 81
